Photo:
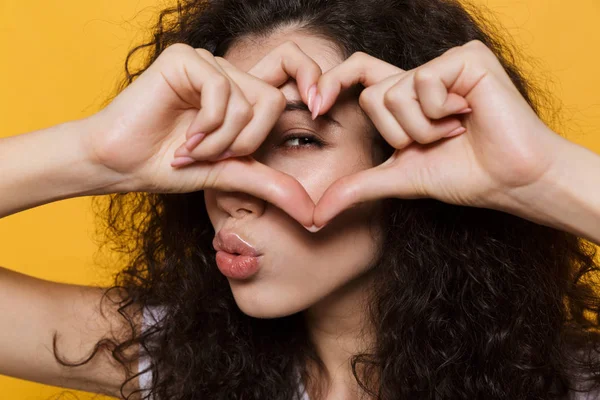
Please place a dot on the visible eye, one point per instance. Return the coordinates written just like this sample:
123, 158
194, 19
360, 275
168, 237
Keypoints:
299, 141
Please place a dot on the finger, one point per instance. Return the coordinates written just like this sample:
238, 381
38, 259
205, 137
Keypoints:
213, 88
402, 102
434, 94
249, 176
445, 83
371, 101
273, 70
269, 104
285, 61
220, 92
358, 68
239, 113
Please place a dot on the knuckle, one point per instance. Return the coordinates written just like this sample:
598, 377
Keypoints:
177, 51
423, 75
475, 44
359, 56
177, 48
202, 52
452, 50
242, 113
478, 52
213, 117
222, 62
279, 100
289, 45
220, 82
366, 98
393, 98
476, 49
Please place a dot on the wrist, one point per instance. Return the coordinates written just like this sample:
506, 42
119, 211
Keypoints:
48, 165
566, 196
105, 180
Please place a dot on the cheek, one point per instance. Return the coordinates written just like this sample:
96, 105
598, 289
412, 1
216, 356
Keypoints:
318, 174
316, 183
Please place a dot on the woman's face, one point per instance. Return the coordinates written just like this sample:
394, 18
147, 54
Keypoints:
298, 268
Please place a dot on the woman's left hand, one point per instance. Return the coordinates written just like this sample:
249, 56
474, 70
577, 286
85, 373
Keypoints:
505, 150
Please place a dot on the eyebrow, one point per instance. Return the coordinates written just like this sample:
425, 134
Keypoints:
299, 105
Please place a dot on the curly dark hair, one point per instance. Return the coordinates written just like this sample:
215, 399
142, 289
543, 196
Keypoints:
469, 303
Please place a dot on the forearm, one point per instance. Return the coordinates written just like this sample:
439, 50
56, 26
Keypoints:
568, 196
49, 165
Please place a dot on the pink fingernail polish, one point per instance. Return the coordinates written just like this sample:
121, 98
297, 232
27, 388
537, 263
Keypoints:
181, 161
182, 151
194, 140
318, 100
311, 94
457, 131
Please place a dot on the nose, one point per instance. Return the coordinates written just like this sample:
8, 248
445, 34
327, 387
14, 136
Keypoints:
239, 205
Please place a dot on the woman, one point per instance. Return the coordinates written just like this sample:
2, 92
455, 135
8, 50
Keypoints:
391, 217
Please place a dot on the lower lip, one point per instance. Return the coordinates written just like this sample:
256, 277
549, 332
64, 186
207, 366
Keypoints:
236, 266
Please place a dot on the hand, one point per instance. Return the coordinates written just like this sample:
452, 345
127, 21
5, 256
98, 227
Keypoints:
463, 133
186, 92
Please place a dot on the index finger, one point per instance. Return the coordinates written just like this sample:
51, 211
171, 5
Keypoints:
285, 61
358, 68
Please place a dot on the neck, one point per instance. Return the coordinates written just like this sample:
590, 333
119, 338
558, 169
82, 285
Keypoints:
338, 329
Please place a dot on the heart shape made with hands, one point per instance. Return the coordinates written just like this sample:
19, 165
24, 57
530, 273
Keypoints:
430, 106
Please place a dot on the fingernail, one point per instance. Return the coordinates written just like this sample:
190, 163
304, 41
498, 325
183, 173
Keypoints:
181, 161
465, 110
316, 110
224, 155
314, 228
194, 140
182, 151
457, 131
311, 95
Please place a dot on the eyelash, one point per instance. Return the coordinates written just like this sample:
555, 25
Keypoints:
316, 141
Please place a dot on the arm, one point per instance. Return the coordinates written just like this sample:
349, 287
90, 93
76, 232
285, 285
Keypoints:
568, 195
49, 165
32, 309
38, 168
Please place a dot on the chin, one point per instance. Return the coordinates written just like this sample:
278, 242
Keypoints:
266, 304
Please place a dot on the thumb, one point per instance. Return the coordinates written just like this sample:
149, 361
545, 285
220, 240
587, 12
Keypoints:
383, 181
244, 174
276, 187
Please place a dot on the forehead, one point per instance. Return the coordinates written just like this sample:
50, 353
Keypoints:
245, 53
249, 50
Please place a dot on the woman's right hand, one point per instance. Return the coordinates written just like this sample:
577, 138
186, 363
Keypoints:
186, 91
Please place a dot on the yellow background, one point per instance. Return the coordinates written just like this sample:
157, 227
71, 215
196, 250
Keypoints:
60, 60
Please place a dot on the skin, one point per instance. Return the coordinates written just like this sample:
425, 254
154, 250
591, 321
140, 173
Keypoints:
324, 274
507, 159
